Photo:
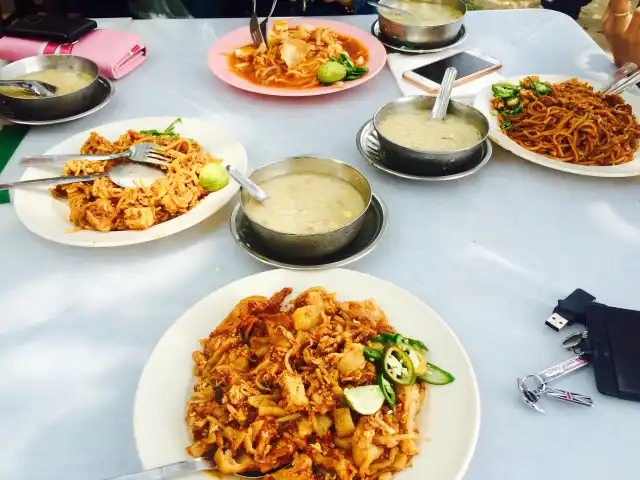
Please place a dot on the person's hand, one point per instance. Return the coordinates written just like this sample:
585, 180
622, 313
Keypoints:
622, 30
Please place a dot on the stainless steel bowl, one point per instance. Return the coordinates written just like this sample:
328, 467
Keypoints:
409, 159
318, 244
423, 36
50, 108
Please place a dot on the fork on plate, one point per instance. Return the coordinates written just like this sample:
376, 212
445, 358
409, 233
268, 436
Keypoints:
259, 29
139, 153
623, 78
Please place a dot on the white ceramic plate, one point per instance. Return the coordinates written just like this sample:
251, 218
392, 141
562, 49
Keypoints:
482, 103
451, 419
49, 217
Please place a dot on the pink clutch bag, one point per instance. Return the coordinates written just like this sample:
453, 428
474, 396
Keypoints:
115, 52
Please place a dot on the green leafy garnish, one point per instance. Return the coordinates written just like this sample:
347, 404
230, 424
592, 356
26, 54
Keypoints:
353, 72
167, 132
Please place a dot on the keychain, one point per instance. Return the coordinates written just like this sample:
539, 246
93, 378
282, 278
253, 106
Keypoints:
531, 394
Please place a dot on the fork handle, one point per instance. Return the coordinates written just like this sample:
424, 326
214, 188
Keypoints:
59, 159
173, 470
273, 7
50, 181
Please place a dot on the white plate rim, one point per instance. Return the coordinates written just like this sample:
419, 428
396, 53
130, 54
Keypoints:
218, 140
481, 102
156, 372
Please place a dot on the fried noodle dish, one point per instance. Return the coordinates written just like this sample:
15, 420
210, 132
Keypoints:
567, 121
272, 390
295, 58
104, 206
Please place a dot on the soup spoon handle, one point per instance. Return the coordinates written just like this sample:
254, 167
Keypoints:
57, 159
388, 8
50, 181
252, 189
173, 470
446, 88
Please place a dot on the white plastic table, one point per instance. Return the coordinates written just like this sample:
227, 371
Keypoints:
490, 253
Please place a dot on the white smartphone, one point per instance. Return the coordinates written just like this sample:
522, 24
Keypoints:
470, 65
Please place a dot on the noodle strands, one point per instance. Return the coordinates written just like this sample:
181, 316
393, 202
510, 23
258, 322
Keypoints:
567, 121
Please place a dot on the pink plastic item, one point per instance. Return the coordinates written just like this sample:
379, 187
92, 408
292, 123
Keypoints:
115, 52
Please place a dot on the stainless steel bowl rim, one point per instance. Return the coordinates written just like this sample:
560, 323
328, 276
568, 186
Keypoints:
312, 235
109, 89
320, 266
56, 96
435, 152
464, 13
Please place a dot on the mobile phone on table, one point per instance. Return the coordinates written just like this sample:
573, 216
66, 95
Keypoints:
470, 65
50, 28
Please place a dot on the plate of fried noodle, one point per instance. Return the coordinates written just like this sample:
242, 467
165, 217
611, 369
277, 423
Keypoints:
101, 214
258, 376
565, 124
288, 64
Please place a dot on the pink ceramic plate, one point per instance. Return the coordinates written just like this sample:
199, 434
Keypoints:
217, 58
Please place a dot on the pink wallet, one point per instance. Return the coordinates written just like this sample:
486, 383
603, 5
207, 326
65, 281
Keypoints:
115, 52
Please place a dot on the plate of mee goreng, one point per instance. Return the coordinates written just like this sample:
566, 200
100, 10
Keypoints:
100, 213
301, 57
564, 123
310, 375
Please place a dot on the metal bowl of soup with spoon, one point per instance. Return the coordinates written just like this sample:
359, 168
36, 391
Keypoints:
75, 80
430, 130
422, 23
314, 207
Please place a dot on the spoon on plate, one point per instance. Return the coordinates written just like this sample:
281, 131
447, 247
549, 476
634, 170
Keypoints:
179, 469
35, 87
123, 174
442, 100
245, 182
382, 6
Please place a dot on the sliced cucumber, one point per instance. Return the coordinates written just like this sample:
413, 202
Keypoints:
436, 376
365, 400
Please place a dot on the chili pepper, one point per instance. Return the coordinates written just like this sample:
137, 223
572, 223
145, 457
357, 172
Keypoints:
397, 366
387, 389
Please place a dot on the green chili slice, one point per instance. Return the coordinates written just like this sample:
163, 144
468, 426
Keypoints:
387, 389
397, 366
436, 375
504, 90
372, 354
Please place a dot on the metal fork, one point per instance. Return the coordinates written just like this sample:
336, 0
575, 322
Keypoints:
254, 27
623, 78
140, 153
265, 22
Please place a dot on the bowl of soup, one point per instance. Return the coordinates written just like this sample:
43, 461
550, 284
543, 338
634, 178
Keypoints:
75, 79
316, 205
409, 137
432, 24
